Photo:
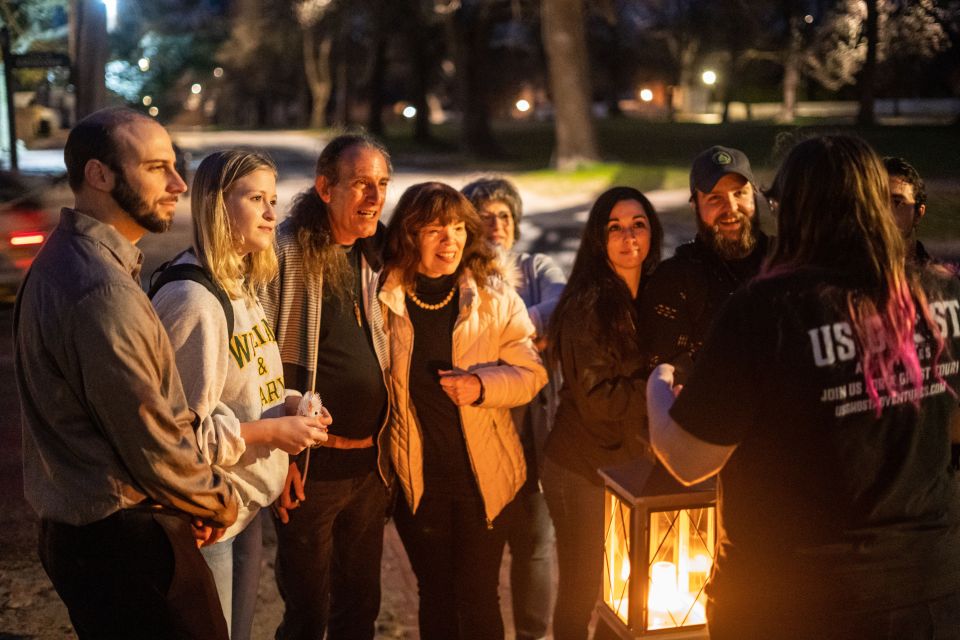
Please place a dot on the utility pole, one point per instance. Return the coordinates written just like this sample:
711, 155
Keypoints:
89, 52
8, 91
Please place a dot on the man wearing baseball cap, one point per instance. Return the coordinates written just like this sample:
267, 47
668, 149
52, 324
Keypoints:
686, 291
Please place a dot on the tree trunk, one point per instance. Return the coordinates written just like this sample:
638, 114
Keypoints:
467, 45
791, 73
378, 78
868, 75
421, 63
89, 52
567, 63
316, 65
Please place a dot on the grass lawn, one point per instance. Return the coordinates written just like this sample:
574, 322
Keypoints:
657, 155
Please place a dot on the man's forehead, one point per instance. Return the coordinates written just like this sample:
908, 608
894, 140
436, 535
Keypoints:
900, 186
360, 160
142, 141
729, 182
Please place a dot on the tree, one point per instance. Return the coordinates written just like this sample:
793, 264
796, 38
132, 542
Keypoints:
567, 65
317, 43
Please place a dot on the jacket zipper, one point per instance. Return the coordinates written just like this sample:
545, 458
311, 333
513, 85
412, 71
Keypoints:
463, 431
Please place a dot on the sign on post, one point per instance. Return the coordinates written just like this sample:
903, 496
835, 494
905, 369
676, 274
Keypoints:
35, 59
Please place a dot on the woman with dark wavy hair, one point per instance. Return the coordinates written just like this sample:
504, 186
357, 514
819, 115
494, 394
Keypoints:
825, 398
594, 338
461, 356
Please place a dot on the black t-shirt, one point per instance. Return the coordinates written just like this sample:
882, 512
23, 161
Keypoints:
446, 462
823, 504
349, 380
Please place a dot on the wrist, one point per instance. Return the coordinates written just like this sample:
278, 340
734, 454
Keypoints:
482, 396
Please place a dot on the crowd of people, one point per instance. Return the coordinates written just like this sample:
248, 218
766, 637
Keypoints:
330, 372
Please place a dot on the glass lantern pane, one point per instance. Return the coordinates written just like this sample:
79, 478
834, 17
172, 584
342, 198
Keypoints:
616, 556
680, 556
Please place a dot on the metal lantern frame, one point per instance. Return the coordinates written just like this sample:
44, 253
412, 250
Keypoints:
645, 488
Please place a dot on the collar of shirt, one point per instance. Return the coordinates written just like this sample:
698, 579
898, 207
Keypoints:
125, 252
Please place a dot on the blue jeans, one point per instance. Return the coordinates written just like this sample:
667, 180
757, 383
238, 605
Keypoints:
235, 565
328, 559
219, 558
531, 539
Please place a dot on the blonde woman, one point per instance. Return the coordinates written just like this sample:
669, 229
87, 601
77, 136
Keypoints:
234, 383
461, 356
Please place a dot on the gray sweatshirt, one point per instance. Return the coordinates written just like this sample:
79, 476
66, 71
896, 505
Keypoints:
228, 380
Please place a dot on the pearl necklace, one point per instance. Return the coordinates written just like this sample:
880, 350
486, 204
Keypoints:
432, 307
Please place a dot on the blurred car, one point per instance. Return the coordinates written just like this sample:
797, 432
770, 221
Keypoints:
25, 223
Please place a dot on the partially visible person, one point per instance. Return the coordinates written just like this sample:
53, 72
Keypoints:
529, 531
462, 356
908, 201
824, 398
323, 309
595, 339
234, 382
687, 290
110, 460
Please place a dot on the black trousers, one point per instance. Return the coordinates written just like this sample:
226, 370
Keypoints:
134, 574
456, 559
328, 560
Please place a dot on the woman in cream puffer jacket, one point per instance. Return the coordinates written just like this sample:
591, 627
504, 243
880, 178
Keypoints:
461, 357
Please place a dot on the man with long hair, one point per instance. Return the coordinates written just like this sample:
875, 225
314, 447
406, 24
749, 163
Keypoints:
110, 459
825, 398
686, 291
324, 312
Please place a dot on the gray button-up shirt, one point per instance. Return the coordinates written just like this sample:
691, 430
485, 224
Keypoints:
105, 422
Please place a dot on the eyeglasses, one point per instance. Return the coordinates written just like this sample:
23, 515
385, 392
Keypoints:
493, 218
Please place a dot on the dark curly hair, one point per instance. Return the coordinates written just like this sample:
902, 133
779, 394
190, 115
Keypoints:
429, 202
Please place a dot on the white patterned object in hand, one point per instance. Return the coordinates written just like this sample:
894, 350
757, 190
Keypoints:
312, 406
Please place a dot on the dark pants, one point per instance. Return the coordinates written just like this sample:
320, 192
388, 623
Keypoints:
576, 506
456, 559
328, 560
134, 574
531, 540
938, 619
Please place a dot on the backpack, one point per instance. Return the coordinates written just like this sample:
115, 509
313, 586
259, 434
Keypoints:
169, 272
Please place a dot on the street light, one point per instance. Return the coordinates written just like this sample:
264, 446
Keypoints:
709, 77
144, 64
196, 88
147, 101
409, 112
523, 105
646, 95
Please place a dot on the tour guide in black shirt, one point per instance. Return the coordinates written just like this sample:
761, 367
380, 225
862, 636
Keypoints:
330, 530
837, 508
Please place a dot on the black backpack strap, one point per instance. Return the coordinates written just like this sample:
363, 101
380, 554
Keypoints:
170, 273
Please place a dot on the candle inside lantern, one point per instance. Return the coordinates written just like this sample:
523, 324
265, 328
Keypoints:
667, 606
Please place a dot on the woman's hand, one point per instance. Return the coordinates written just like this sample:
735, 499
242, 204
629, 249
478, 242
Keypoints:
293, 434
462, 387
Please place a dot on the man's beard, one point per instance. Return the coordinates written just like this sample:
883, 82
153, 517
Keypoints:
727, 248
131, 202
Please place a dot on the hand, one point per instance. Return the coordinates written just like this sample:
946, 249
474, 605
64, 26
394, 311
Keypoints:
665, 373
205, 534
461, 387
285, 503
293, 434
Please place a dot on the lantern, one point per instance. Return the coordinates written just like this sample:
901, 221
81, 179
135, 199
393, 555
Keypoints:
659, 540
